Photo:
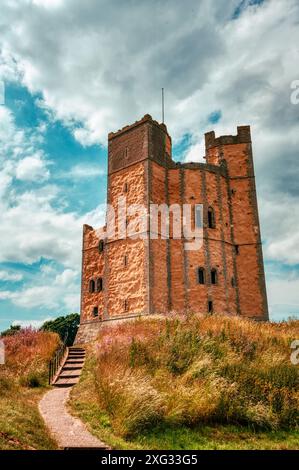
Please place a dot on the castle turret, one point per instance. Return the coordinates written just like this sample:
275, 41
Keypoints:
235, 151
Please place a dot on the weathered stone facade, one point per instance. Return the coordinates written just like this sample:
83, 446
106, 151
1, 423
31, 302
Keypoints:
125, 277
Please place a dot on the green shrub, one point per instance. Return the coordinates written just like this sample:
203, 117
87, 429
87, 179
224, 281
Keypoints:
32, 380
66, 327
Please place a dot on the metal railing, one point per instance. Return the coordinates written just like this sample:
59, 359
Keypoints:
56, 361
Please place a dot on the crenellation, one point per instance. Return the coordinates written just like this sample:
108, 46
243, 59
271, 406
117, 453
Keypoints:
243, 136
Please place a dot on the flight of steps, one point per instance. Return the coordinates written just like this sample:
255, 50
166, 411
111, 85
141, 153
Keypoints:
71, 370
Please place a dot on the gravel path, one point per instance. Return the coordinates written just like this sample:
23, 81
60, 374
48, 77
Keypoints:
68, 431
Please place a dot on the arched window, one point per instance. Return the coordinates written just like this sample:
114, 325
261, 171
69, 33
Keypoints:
213, 276
101, 246
211, 218
99, 284
91, 286
200, 275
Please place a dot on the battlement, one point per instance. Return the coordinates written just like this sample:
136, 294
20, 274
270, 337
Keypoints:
144, 119
243, 137
144, 139
87, 228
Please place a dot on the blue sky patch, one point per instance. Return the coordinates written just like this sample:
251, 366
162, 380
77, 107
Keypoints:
243, 5
215, 117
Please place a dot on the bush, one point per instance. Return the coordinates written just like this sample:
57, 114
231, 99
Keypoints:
65, 327
11, 331
32, 380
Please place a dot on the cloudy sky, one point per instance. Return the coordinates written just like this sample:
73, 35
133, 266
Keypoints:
73, 71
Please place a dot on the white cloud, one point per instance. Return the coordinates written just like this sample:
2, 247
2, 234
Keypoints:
6, 295
104, 74
2, 92
62, 291
83, 171
34, 223
31, 323
48, 3
195, 152
7, 276
32, 169
34, 229
10, 136
66, 277
283, 293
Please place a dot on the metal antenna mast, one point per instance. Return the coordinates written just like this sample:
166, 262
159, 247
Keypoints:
163, 105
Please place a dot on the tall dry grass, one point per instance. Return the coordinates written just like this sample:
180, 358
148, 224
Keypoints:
21, 380
27, 354
190, 370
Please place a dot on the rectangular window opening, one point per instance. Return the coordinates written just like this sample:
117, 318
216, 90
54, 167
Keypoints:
198, 216
95, 311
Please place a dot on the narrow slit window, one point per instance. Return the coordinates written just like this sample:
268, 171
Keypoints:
101, 246
213, 276
126, 305
237, 249
198, 216
91, 286
125, 261
233, 282
210, 306
125, 187
95, 311
200, 275
99, 284
211, 218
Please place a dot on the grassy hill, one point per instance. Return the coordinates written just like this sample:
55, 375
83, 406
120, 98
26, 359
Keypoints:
23, 379
190, 383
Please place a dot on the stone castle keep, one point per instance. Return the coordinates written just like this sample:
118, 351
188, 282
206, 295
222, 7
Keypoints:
128, 277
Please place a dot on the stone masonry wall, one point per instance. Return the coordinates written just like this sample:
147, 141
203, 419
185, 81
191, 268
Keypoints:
92, 268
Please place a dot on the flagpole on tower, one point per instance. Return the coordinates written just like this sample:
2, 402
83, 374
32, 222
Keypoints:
163, 105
